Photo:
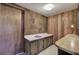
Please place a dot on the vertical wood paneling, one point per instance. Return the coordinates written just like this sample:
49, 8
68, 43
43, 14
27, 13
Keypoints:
50, 25
55, 28
60, 25
71, 20
75, 18
34, 23
0, 31
66, 23
78, 23
77, 28
10, 30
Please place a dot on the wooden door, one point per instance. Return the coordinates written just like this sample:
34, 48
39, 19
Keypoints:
10, 30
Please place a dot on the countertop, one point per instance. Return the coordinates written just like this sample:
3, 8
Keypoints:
69, 43
33, 37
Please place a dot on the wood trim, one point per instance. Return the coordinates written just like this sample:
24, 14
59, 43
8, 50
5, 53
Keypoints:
19, 7
13, 6
22, 30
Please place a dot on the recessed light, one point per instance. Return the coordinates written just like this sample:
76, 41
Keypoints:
48, 7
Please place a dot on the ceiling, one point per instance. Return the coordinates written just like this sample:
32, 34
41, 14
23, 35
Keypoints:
59, 7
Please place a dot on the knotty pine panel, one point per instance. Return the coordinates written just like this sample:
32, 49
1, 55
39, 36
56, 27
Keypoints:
10, 30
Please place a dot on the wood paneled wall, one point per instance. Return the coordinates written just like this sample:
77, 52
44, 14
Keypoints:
11, 27
78, 22
10, 30
34, 23
59, 25
53, 26
11, 23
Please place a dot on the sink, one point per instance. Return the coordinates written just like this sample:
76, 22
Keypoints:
37, 36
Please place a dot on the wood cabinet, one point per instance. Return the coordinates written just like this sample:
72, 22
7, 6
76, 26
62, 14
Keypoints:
40, 47
45, 43
34, 47
48, 42
10, 30
65, 44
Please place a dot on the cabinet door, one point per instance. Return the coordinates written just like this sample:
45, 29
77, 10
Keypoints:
10, 30
46, 43
27, 47
40, 45
51, 40
34, 48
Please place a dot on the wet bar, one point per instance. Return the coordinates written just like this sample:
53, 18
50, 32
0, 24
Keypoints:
36, 43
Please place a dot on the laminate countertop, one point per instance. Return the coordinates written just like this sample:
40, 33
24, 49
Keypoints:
34, 37
69, 43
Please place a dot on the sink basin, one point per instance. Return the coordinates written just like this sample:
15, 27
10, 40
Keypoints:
37, 36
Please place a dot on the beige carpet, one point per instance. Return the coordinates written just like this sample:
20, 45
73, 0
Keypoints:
52, 50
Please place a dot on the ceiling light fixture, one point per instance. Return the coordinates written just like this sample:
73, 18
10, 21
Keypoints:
48, 7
